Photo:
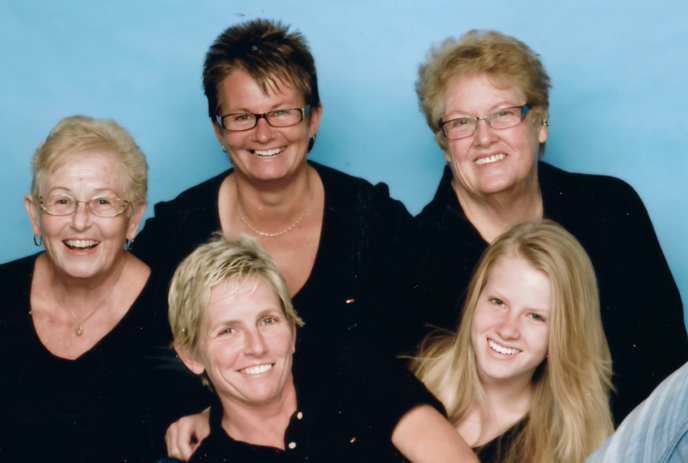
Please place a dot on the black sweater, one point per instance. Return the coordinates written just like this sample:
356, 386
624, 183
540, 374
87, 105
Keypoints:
640, 304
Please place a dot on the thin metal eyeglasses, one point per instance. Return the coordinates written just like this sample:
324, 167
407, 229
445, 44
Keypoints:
100, 206
462, 127
238, 122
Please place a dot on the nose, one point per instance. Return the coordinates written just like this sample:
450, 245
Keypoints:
508, 327
484, 134
254, 343
264, 132
81, 217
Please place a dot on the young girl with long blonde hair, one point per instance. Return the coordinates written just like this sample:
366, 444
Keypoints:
527, 377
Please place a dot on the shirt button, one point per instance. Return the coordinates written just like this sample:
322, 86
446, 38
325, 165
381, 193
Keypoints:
299, 415
292, 445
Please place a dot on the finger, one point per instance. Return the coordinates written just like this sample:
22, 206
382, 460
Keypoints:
171, 442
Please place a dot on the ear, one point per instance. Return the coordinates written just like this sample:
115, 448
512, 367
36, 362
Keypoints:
314, 121
218, 134
190, 360
33, 214
134, 221
542, 130
447, 156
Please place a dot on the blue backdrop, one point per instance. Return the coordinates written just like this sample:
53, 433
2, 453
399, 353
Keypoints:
618, 105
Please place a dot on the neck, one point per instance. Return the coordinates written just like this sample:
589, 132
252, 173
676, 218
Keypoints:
509, 398
274, 204
81, 295
263, 424
493, 214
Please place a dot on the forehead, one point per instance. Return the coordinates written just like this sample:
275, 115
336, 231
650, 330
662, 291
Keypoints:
481, 92
239, 88
95, 168
518, 279
241, 299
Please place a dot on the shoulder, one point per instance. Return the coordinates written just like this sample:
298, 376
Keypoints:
346, 193
16, 271
568, 194
196, 195
555, 180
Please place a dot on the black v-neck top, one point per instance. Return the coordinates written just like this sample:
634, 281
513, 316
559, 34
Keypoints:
352, 291
641, 307
111, 404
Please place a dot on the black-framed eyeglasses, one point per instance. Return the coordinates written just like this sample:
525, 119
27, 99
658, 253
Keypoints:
101, 206
462, 127
238, 122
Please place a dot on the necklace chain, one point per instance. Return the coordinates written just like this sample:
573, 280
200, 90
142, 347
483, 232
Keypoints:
303, 214
79, 330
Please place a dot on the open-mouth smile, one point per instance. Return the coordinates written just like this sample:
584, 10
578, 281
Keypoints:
267, 153
80, 245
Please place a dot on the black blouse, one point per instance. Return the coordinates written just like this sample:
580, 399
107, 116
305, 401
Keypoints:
641, 307
103, 406
349, 415
352, 291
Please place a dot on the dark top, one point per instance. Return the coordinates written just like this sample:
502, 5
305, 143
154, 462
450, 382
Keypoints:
347, 416
640, 304
102, 406
352, 285
499, 448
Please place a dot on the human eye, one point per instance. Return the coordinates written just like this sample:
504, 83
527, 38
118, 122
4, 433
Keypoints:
536, 317
103, 201
497, 302
228, 330
269, 321
60, 200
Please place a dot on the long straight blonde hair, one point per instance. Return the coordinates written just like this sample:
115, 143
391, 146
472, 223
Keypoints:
569, 415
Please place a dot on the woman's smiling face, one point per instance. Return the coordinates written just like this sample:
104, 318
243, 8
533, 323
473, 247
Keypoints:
511, 323
491, 161
246, 343
265, 153
81, 244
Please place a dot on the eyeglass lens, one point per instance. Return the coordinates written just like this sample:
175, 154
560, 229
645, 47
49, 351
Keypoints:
101, 206
465, 126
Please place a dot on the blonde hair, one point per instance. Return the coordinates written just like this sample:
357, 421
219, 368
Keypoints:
569, 415
219, 261
77, 134
501, 57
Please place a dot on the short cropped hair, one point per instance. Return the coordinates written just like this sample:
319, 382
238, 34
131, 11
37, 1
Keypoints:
215, 262
266, 50
499, 56
78, 134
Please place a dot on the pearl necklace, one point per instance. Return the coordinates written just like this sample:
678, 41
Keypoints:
278, 233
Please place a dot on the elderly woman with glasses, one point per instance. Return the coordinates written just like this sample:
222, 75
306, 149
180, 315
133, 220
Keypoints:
79, 322
485, 97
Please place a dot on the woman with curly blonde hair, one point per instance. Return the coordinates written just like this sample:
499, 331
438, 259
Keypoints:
528, 375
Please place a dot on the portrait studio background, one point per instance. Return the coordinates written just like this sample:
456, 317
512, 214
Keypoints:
618, 104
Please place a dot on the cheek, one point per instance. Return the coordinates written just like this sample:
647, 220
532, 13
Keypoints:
222, 355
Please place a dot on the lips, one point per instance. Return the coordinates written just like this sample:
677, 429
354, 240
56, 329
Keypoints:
268, 153
489, 159
257, 369
81, 244
501, 349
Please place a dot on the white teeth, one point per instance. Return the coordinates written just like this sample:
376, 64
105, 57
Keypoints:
493, 158
257, 370
268, 153
501, 349
80, 244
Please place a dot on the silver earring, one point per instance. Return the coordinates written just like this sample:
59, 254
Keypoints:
313, 137
224, 150
37, 240
129, 245
545, 123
